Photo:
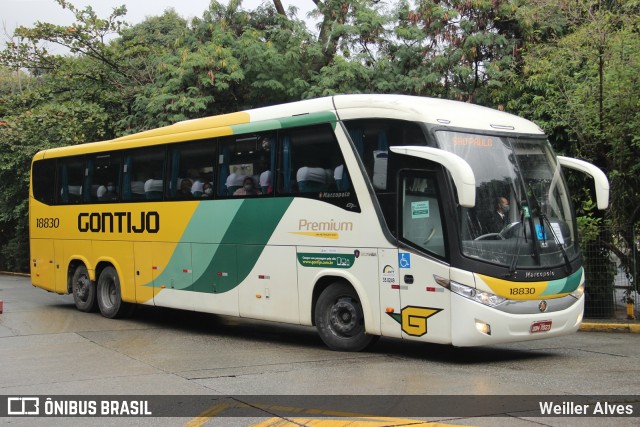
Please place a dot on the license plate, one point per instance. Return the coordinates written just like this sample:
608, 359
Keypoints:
542, 326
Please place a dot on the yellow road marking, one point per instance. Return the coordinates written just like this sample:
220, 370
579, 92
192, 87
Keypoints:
367, 422
362, 419
206, 415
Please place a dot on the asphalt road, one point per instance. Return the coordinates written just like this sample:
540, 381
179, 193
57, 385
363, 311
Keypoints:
48, 348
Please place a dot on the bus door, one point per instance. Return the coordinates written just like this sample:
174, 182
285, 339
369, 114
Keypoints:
425, 305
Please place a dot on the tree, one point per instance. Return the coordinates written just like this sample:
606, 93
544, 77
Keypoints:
569, 65
583, 88
22, 134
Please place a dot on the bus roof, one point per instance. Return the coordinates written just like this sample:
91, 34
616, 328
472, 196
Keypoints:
434, 111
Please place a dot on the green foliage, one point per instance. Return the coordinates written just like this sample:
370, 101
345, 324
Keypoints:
22, 134
453, 49
582, 87
599, 271
569, 65
589, 224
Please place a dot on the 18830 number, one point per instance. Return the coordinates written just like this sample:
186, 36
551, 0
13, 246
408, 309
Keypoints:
47, 222
522, 291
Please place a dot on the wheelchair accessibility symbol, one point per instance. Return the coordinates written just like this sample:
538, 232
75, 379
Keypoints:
404, 260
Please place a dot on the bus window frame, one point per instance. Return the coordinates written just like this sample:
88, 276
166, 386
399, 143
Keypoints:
225, 156
126, 177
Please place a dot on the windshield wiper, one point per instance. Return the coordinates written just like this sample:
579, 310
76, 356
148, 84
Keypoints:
514, 261
525, 214
542, 218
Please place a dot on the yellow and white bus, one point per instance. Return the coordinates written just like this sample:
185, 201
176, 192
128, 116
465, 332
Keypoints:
364, 215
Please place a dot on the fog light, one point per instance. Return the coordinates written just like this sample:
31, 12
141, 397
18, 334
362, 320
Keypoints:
485, 328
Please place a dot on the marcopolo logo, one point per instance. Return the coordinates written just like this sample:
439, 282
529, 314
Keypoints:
119, 222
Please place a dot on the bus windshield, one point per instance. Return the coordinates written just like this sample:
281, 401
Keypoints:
522, 217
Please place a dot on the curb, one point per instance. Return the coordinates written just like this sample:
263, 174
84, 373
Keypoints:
11, 273
610, 327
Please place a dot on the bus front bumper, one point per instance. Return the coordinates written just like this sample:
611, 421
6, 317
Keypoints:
474, 324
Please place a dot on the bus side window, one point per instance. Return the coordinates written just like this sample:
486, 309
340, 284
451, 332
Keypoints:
310, 162
43, 184
71, 173
372, 139
191, 170
141, 166
421, 217
246, 156
104, 177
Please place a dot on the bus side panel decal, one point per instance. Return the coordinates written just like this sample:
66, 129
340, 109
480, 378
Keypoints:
242, 230
206, 225
225, 228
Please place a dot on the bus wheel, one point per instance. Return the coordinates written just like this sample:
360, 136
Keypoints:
109, 295
340, 320
84, 292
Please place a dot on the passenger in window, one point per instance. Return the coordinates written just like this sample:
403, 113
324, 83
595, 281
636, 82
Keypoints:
234, 182
265, 178
247, 189
197, 189
207, 189
265, 182
185, 189
107, 193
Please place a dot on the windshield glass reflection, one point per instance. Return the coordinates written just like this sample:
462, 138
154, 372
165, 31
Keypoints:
522, 216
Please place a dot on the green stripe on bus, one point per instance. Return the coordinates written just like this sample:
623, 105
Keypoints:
226, 238
563, 286
284, 123
242, 244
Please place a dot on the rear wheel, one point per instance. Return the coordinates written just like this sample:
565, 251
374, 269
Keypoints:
340, 320
84, 291
110, 296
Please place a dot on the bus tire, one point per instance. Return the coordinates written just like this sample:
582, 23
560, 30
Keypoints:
109, 295
340, 320
83, 290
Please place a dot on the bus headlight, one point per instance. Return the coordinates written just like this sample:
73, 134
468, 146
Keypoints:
577, 294
485, 298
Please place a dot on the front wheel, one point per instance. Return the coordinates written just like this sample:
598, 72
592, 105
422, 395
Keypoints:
84, 291
340, 320
109, 295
